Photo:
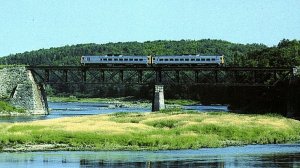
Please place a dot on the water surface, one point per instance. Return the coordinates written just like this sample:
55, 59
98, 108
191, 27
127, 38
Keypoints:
70, 109
245, 156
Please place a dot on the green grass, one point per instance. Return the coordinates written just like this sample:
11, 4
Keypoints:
151, 131
182, 102
91, 100
75, 99
7, 108
127, 117
126, 99
11, 66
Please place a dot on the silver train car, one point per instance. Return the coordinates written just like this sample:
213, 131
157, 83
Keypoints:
116, 60
153, 60
188, 60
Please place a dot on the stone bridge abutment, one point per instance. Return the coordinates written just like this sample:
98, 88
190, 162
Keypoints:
19, 88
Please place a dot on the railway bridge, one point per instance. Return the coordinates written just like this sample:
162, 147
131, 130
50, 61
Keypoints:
203, 75
268, 78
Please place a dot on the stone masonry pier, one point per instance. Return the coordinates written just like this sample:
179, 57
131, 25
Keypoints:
18, 87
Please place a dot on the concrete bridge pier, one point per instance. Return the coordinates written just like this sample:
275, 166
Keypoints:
158, 102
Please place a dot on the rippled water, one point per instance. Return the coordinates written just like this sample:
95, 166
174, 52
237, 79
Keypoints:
245, 156
70, 109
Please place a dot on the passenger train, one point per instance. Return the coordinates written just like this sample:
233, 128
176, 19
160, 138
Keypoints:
153, 60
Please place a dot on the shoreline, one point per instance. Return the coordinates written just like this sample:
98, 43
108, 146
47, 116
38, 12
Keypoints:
165, 130
122, 100
14, 114
64, 147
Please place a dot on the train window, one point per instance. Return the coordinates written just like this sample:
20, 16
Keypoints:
161, 59
198, 59
88, 59
202, 59
140, 59
192, 59
207, 59
109, 59
166, 59
181, 59
186, 59
130, 59
121, 59
136, 59
126, 59
171, 59
116, 59
213, 59
105, 59
176, 59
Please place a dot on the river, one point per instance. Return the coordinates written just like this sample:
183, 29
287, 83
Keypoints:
286, 155
70, 109
246, 156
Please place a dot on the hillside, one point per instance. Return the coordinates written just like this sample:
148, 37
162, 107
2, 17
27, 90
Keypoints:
70, 55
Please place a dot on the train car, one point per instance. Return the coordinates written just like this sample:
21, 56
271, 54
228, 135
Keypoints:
116, 60
188, 60
152, 61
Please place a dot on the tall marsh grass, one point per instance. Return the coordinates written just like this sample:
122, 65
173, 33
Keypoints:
151, 131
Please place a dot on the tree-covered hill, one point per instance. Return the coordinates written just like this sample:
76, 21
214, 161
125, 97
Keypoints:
70, 55
285, 54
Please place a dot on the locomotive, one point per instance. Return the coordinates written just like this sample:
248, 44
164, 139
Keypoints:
153, 60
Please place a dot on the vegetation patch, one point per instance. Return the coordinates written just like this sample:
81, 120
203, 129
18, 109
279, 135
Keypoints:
164, 123
176, 111
182, 102
127, 117
6, 108
148, 131
10, 66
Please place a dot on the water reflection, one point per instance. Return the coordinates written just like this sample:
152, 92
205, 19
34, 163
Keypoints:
169, 164
278, 156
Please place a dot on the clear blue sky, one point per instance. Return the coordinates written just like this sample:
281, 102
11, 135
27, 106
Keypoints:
27, 25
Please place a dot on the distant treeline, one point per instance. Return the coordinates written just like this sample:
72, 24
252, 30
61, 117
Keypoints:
286, 53
70, 55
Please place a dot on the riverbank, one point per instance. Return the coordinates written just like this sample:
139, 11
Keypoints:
7, 109
172, 129
123, 101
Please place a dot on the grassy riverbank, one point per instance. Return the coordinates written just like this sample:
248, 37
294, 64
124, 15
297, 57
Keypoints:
123, 100
7, 109
148, 131
85, 100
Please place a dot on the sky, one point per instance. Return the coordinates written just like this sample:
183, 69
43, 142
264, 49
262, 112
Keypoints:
27, 25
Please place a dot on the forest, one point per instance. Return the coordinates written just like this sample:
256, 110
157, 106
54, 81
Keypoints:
285, 54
